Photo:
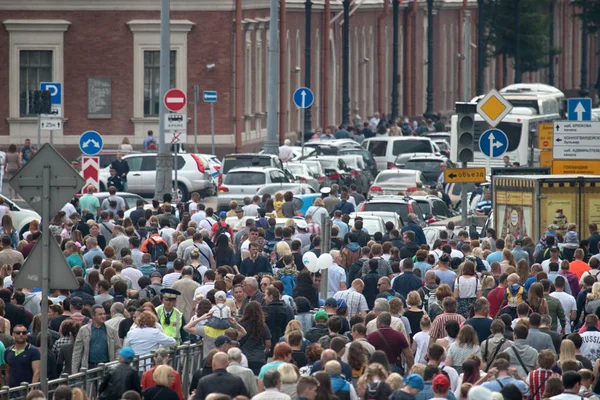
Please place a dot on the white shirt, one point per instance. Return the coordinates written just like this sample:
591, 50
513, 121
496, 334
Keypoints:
422, 340
337, 275
69, 209
251, 210
566, 396
457, 254
198, 217
134, 275
546, 265
285, 153
203, 290
167, 234
245, 246
169, 279
206, 223
569, 304
222, 313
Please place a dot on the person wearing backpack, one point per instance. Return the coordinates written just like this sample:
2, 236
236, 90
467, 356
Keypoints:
221, 227
377, 388
155, 245
287, 275
427, 292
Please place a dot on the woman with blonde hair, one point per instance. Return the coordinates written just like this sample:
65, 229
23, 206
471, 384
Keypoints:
317, 211
466, 344
436, 308
163, 376
73, 254
376, 385
5, 270
567, 353
467, 288
414, 313
289, 376
487, 284
509, 242
125, 145
293, 326
592, 299
508, 260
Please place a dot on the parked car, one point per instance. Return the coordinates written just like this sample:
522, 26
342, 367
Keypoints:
297, 150
428, 164
232, 161
434, 208
331, 147
385, 149
21, 217
371, 223
399, 204
318, 171
392, 181
193, 175
361, 176
387, 216
303, 174
335, 169
246, 182
367, 158
294, 187
304, 201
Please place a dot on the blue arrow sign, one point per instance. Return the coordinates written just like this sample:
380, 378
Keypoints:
303, 97
210, 96
55, 89
90, 143
493, 143
579, 109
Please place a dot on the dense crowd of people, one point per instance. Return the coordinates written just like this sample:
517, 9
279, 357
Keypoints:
466, 317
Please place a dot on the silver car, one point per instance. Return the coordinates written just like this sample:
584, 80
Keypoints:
193, 175
371, 223
245, 182
303, 174
392, 181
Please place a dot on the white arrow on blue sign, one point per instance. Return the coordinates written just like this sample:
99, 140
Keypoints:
579, 109
55, 89
303, 97
210, 96
91, 143
493, 143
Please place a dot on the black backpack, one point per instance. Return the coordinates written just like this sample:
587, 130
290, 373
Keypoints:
222, 230
197, 275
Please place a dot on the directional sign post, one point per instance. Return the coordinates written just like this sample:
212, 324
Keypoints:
46, 183
52, 122
90, 168
210, 96
464, 175
576, 147
303, 98
493, 143
90, 143
579, 109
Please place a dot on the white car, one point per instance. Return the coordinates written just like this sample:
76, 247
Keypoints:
392, 181
20, 216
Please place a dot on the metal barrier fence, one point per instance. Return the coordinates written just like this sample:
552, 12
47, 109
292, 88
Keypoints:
185, 359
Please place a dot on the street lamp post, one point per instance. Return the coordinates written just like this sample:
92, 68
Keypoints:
517, 43
346, 65
429, 108
308, 64
584, 90
395, 11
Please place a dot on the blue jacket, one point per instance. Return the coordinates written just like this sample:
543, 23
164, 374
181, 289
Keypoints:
419, 234
339, 384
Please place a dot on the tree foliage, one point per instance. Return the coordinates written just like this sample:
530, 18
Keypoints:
533, 31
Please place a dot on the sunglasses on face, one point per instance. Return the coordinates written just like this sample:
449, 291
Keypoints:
20, 332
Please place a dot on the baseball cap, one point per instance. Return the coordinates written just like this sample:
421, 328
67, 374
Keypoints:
414, 381
341, 304
321, 315
223, 214
479, 393
441, 382
156, 274
77, 301
331, 302
221, 340
127, 353
220, 295
301, 224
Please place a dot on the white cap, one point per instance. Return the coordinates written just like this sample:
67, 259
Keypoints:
220, 295
301, 224
326, 190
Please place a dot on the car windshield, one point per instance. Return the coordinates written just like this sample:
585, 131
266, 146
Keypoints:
352, 151
423, 165
232, 162
371, 225
443, 145
425, 206
399, 208
296, 169
245, 178
314, 167
396, 177
328, 163
411, 146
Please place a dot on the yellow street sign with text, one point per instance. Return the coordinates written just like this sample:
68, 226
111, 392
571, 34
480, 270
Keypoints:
465, 175
545, 135
587, 167
546, 158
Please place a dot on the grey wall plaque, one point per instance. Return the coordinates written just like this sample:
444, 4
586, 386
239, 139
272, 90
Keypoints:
99, 98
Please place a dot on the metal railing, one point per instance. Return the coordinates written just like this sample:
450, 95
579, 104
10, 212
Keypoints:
185, 359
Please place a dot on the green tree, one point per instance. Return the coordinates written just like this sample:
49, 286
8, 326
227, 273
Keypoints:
518, 30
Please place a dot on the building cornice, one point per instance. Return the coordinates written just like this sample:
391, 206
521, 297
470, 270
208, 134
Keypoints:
36, 25
151, 25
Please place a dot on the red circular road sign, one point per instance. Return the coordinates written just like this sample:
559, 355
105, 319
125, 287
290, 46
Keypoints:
175, 100
546, 143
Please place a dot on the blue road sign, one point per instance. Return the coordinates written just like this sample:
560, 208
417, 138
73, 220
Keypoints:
493, 143
579, 109
55, 89
303, 97
210, 96
90, 143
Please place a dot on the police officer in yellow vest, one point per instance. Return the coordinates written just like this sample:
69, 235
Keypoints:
170, 318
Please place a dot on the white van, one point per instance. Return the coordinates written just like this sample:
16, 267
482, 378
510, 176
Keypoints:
385, 149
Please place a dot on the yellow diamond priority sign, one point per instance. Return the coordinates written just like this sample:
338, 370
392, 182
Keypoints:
493, 108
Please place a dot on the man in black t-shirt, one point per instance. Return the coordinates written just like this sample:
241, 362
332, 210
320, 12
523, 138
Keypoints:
481, 322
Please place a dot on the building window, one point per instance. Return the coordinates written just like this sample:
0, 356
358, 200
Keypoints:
152, 81
34, 67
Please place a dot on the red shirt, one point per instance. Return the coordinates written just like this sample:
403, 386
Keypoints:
215, 228
392, 343
495, 298
577, 267
148, 382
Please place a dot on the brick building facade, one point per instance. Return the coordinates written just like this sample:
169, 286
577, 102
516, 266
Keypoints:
115, 43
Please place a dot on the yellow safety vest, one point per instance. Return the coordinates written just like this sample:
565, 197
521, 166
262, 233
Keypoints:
174, 328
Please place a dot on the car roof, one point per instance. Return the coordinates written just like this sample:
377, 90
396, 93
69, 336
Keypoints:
374, 213
399, 171
332, 142
254, 169
389, 198
427, 156
425, 198
394, 138
250, 155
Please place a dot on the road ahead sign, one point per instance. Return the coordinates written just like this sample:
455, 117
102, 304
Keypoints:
175, 100
493, 108
579, 109
90, 143
465, 175
303, 97
210, 96
493, 143
55, 90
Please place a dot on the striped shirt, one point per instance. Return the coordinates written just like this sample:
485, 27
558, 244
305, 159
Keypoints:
537, 382
313, 228
356, 301
438, 328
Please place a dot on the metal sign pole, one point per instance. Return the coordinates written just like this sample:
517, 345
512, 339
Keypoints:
212, 125
303, 131
39, 144
175, 151
45, 279
463, 201
196, 99
52, 137
325, 246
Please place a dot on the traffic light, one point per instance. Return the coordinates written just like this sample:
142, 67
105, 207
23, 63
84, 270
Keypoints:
46, 102
40, 102
465, 126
